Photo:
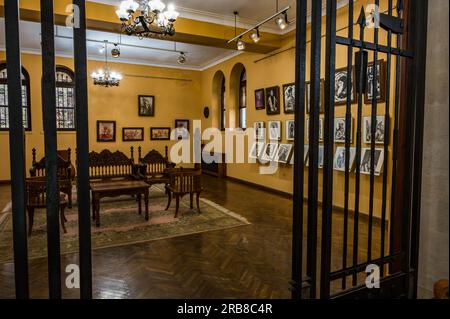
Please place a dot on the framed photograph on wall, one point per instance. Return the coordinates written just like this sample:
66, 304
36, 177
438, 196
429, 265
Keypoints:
260, 130
260, 99
339, 159
320, 157
381, 82
339, 130
146, 105
380, 132
132, 134
182, 129
273, 100
269, 152
106, 131
290, 130
341, 89
366, 161
289, 98
275, 131
305, 155
257, 149
160, 133
321, 100
283, 153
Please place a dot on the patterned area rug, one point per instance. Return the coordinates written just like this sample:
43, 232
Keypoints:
122, 225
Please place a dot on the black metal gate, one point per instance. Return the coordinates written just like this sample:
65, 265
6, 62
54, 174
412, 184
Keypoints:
17, 156
359, 221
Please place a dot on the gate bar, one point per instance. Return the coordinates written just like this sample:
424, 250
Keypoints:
51, 158
313, 174
328, 155
299, 155
16, 147
81, 95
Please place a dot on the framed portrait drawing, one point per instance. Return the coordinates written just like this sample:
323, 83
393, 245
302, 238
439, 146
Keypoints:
273, 100
289, 98
260, 130
146, 105
380, 82
340, 158
106, 131
160, 133
182, 129
340, 87
256, 150
269, 152
380, 131
321, 131
339, 130
290, 130
321, 99
275, 131
366, 161
283, 153
260, 99
132, 134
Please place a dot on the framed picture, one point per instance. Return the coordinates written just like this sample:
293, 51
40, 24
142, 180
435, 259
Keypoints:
321, 131
380, 130
146, 105
290, 130
339, 159
132, 134
257, 149
106, 131
340, 87
305, 155
283, 153
320, 157
381, 82
275, 131
339, 130
260, 99
160, 133
321, 99
260, 130
269, 152
366, 161
182, 129
273, 100
289, 98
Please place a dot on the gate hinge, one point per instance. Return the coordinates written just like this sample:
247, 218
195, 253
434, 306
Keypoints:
390, 23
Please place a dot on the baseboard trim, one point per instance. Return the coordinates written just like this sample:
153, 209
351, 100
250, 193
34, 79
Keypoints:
5, 182
362, 215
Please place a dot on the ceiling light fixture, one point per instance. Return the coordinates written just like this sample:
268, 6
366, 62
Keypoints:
182, 58
241, 45
105, 77
282, 21
152, 20
255, 36
115, 52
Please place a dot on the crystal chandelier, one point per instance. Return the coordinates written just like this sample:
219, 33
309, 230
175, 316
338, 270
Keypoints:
105, 77
152, 20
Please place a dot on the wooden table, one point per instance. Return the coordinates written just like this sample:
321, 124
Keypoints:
115, 189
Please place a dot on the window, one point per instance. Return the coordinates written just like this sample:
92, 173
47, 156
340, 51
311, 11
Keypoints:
243, 100
4, 112
222, 106
65, 99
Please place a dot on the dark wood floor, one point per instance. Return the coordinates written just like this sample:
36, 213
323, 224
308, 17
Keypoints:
246, 262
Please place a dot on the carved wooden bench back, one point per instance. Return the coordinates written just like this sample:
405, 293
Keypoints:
64, 166
156, 164
108, 165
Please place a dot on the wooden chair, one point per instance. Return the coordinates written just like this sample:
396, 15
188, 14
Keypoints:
37, 199
183, 182
65, 171
154, 167
107, 166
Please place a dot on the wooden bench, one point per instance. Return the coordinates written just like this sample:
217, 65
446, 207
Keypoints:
154, 166
107, 166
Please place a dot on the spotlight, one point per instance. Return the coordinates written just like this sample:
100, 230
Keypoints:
241, 45
255, 36
182, 58
282, 21
115, 52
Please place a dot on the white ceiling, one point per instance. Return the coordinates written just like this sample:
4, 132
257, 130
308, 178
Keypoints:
198, 57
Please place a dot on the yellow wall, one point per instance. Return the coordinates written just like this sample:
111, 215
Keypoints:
174, 100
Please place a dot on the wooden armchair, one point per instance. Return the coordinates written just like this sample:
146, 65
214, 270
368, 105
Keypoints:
183, 182
154, 167
65, 171
37, 199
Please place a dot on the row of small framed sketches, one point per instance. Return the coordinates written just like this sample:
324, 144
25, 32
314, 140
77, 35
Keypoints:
281, 153
269, 99
106, 132
339, 130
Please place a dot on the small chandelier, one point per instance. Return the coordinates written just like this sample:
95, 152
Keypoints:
105, 77
152, 20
